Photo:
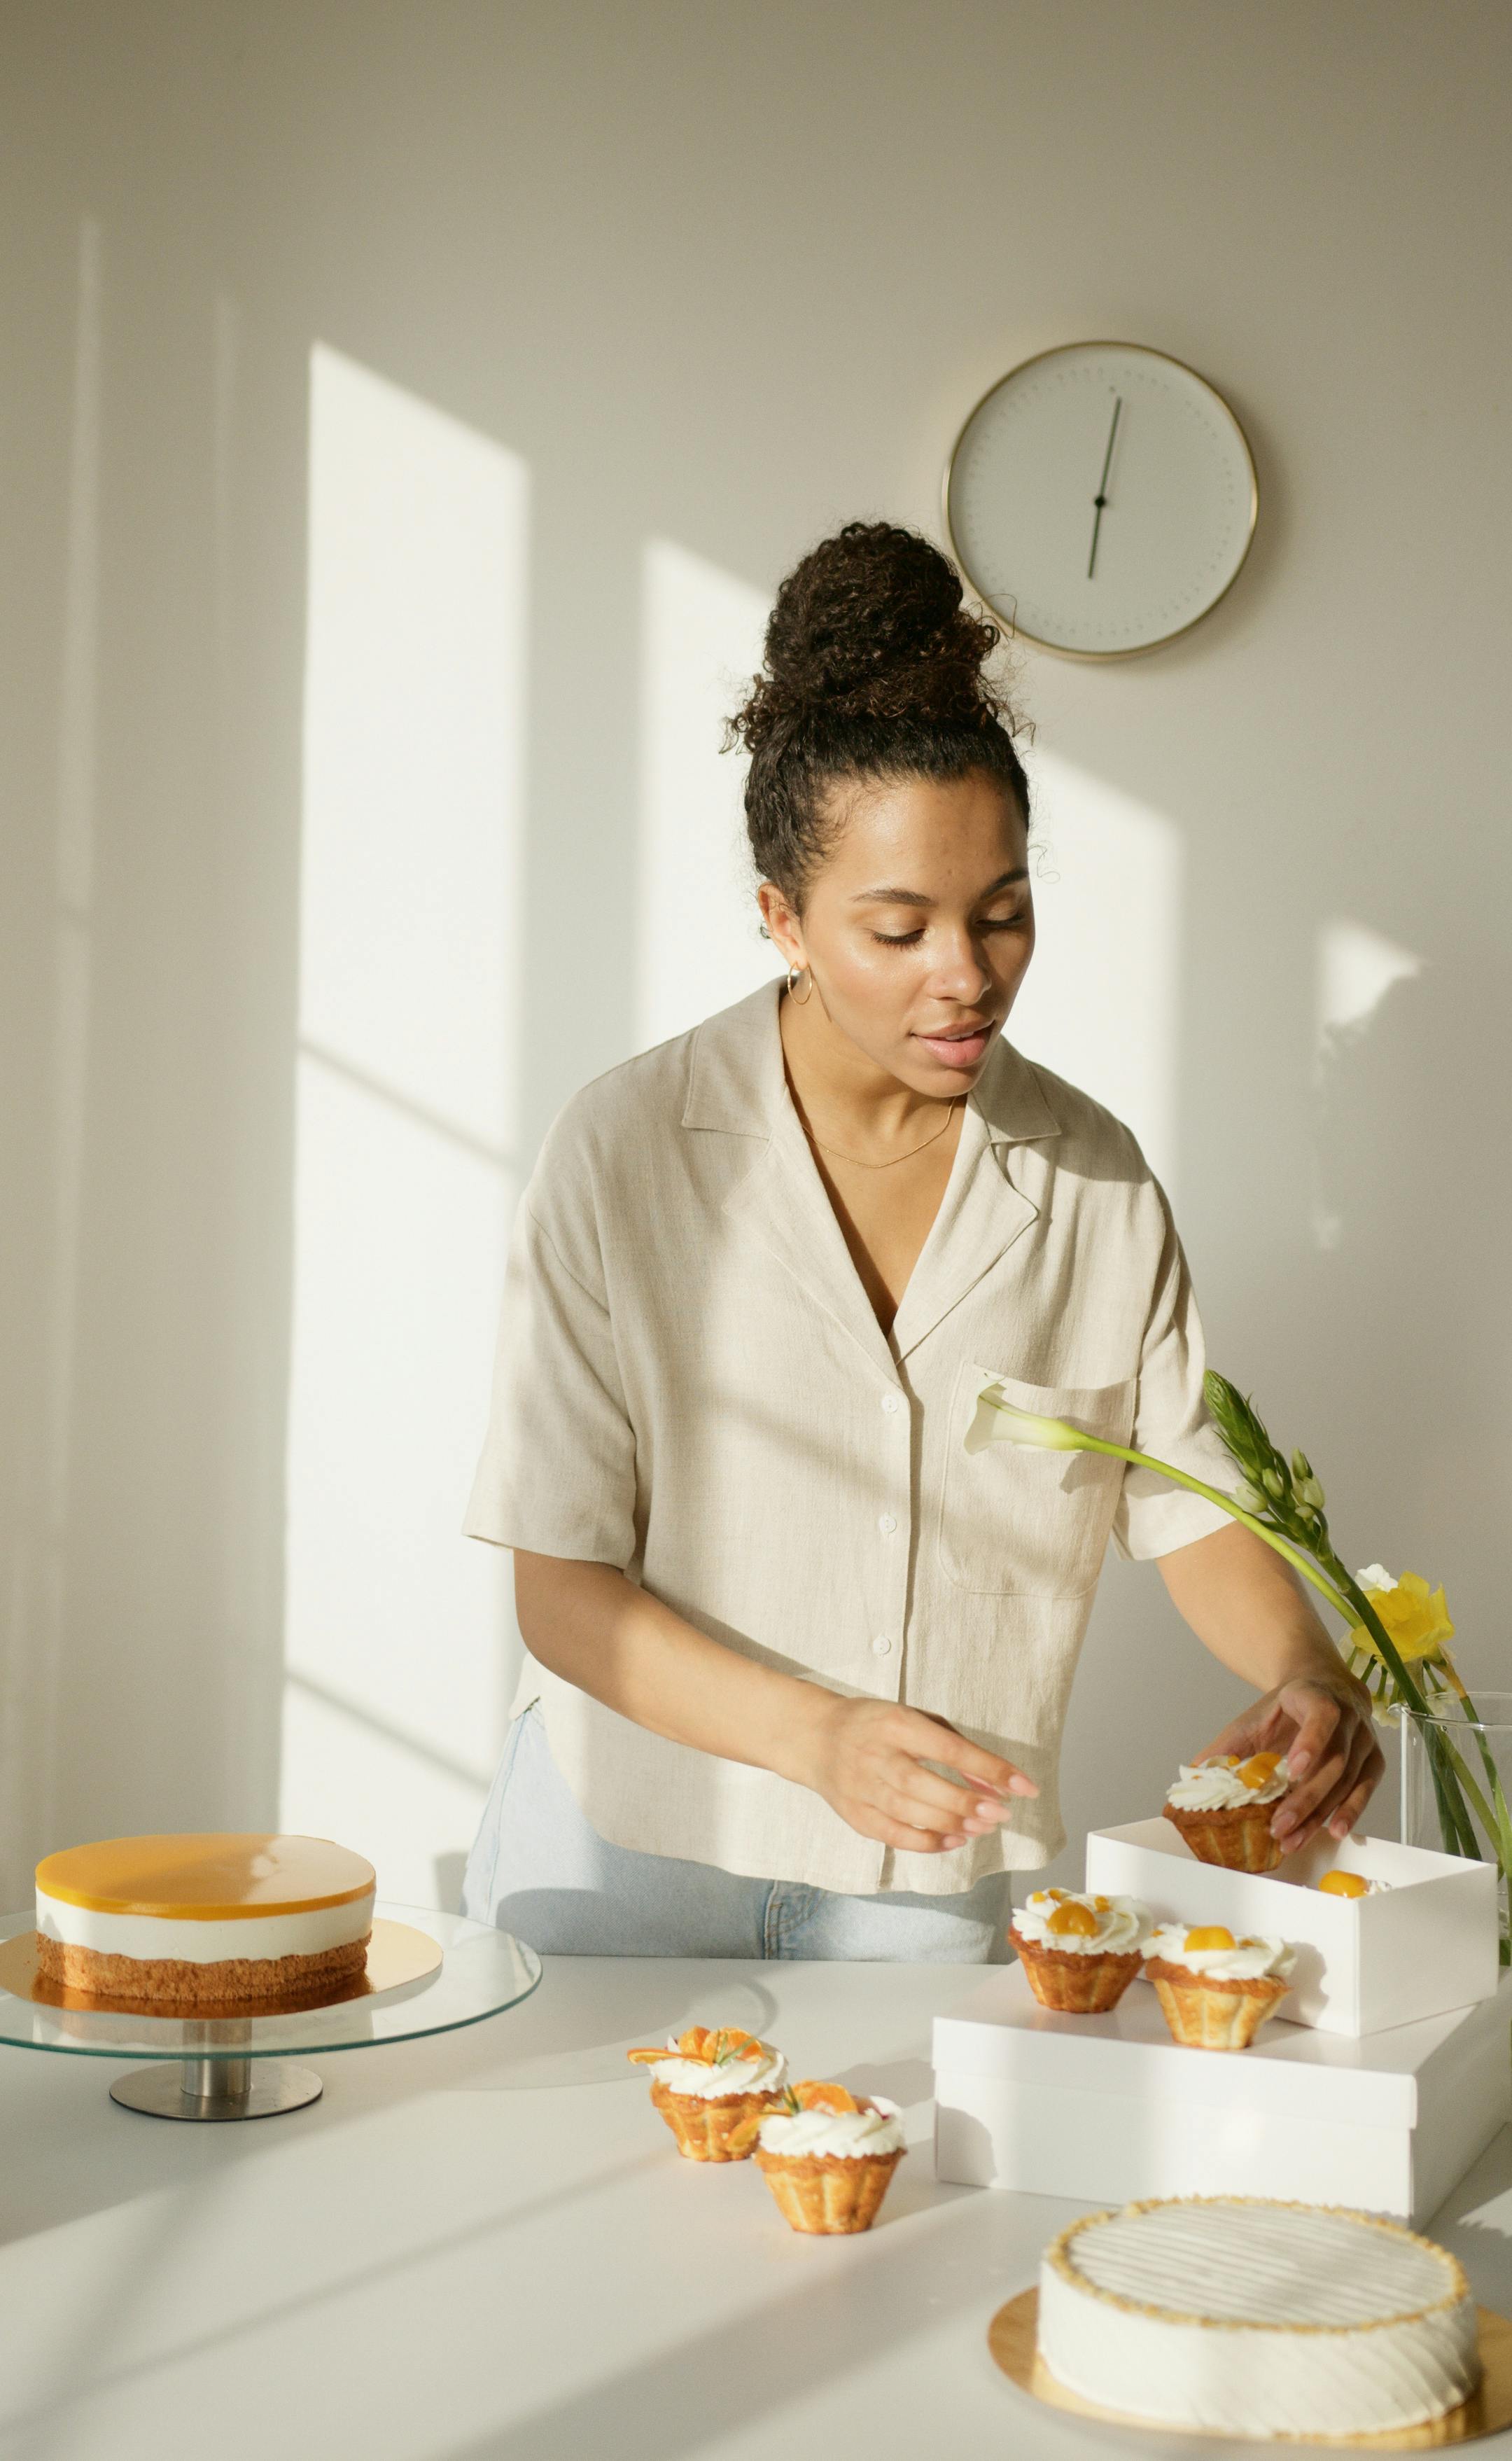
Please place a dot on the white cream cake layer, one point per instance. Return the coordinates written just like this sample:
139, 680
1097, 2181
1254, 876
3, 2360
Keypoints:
305, 1934
1256, 2318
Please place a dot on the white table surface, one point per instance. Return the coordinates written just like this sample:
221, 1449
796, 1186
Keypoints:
486, 2248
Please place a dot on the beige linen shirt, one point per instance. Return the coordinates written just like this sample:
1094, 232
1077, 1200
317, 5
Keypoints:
692, 1385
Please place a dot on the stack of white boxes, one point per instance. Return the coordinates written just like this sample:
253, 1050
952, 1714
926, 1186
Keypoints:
1388, 2072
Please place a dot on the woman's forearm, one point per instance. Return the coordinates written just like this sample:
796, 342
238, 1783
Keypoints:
875, 1761
1246, 1606
592, 1626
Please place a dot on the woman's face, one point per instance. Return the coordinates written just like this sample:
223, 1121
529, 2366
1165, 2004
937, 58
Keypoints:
917, 925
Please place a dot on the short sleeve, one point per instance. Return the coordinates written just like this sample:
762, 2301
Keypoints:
1171, 1421
557, 1475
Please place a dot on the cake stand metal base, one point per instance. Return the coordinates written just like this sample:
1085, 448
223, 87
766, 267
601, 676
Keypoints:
224, 2089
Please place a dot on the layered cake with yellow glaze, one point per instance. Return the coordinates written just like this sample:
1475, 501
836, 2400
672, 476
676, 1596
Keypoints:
229, 1919
1247, 2317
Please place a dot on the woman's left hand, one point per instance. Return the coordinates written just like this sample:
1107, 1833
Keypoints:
1322, 1722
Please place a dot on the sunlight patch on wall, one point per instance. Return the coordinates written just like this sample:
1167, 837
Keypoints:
1100, 1004
1356, 967
397, 1630
32, 1636
699, 945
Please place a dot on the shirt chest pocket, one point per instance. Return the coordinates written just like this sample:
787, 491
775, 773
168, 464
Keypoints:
1016, 1522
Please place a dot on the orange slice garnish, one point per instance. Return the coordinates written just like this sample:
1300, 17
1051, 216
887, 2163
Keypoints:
814, 2096
710, 2045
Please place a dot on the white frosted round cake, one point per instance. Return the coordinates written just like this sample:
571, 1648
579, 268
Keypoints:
225, 1918
1249, 2317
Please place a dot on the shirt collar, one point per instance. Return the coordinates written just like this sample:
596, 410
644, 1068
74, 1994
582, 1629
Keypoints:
735, 1081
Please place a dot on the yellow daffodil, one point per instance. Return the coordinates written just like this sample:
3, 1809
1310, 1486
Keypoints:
1415, 1617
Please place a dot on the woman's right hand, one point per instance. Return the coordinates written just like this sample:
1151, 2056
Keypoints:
867, 1759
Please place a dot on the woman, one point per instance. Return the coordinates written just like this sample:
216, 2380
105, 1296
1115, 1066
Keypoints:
798, 1663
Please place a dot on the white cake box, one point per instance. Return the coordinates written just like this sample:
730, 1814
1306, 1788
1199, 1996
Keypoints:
1106, 2109
1427, 1943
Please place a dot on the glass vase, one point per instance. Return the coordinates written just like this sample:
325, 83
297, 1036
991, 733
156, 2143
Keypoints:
1457, 1784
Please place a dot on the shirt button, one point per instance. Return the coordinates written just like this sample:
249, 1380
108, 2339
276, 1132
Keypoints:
890, 1403
880, 1646
886, 1524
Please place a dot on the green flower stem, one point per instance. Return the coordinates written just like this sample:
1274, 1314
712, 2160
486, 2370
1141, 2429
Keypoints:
1494, 1821
1487, 1756
1085, 1444
1329, 1578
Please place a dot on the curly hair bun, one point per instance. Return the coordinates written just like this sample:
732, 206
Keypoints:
870, 625
873, 669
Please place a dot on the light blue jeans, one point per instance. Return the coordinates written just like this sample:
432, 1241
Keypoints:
538, 1870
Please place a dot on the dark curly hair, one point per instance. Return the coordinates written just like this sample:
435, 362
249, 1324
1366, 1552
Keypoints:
873, 669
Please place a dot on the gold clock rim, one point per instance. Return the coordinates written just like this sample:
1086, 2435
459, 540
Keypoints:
1016, 631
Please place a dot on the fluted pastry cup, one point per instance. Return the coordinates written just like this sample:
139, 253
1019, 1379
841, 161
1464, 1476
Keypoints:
828, 2195
1084, 1985
1237, 1836
704, 2125
1211, 2013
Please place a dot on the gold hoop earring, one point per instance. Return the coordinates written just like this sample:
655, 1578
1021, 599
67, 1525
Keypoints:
794, 974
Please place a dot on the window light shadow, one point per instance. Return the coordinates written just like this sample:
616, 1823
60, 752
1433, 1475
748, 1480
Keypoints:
398, 1637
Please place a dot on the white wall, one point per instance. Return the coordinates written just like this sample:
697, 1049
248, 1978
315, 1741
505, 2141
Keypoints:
690, 285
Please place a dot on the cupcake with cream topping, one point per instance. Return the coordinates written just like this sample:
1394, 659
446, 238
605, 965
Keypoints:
1224, 1809
1216, 1991
708, 2083
1079, 1953
827, 2157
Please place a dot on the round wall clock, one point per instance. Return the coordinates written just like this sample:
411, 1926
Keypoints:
1100, 499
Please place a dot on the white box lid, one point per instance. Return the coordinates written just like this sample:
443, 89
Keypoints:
1369, 2080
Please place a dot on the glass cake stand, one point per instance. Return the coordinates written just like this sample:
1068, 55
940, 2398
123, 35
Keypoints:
450, 1973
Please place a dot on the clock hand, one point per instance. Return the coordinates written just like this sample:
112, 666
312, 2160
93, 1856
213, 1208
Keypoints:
1100, 497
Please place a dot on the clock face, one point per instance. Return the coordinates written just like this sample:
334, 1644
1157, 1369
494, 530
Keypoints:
1100, 499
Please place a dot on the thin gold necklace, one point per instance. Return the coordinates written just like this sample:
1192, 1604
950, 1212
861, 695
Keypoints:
892, 1160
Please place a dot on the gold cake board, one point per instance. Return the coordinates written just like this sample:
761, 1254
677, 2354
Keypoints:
1011, 2335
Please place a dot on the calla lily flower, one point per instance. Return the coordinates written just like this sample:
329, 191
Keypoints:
999, 1422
